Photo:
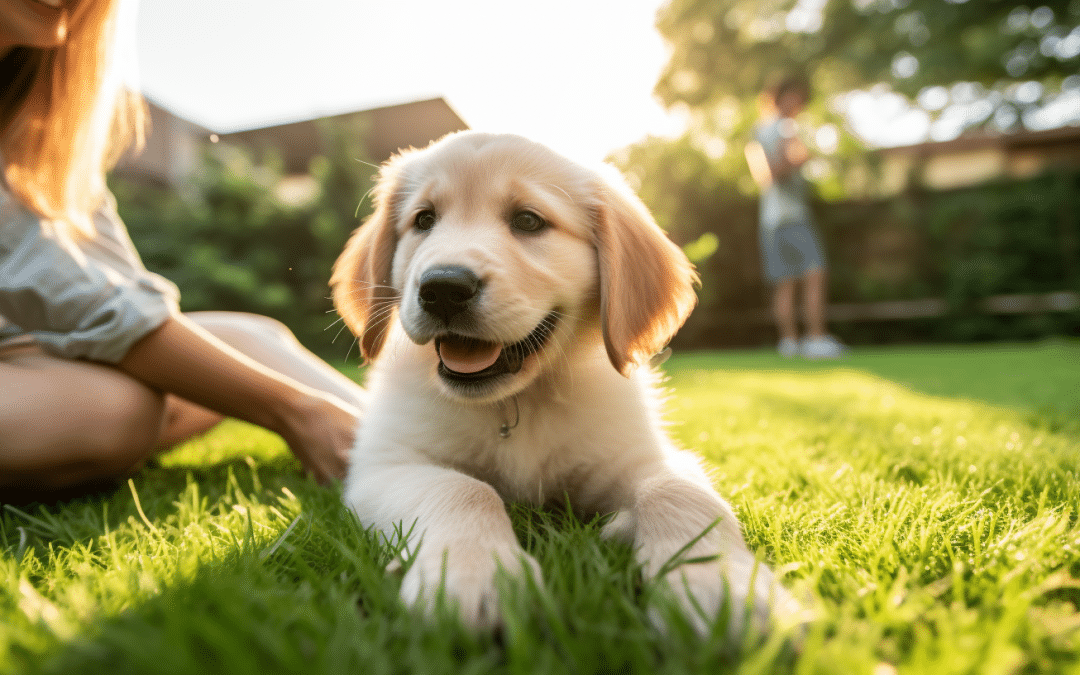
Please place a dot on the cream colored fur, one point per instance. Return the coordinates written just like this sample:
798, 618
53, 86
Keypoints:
584, 409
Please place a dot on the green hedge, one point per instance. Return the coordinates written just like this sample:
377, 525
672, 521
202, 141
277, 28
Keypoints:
231, 243
1005, 237
961, 246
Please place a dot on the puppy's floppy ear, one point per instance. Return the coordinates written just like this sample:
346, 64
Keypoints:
362, 292
646, 281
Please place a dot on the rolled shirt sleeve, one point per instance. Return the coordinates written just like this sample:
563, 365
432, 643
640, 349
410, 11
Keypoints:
89, 299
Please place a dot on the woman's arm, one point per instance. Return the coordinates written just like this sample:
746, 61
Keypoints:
182, 358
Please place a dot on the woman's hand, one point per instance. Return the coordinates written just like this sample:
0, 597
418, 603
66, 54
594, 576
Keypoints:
182, 358
320, 433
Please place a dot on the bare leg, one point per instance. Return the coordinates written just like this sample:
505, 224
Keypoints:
272, 344
784, 309
65, 422
814, 301
183, 420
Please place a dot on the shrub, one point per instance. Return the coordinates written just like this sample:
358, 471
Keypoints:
232, 239
961, 246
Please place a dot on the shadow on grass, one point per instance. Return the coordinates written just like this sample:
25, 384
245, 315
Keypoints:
838, 429
241, 603
1038, 378
313, 595
258, 599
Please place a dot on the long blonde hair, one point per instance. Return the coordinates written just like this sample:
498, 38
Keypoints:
65, 119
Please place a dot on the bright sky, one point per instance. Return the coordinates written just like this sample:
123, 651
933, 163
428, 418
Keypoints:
574, 74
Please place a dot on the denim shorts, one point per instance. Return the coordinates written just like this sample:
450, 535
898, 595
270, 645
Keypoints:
790, 251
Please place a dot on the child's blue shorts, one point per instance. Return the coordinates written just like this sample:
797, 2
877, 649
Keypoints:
790, 251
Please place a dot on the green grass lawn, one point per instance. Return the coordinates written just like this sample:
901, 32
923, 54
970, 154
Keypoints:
925, 499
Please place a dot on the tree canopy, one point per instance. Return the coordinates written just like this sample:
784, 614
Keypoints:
1010, 57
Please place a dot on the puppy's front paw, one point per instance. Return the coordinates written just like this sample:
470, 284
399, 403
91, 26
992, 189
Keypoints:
736, 586
466, 573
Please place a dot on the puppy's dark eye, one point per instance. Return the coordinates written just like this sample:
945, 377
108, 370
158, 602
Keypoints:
425, 220
527, 221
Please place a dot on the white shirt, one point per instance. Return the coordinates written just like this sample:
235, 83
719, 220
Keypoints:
785, 201
89, 298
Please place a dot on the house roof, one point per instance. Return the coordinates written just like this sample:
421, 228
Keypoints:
1019, 140
388, 129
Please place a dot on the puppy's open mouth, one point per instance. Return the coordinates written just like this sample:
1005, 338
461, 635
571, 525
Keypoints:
469, 360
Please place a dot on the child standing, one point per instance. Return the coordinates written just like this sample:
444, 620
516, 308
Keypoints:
790, 244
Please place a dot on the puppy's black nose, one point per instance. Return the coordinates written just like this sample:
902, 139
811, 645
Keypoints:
447, 291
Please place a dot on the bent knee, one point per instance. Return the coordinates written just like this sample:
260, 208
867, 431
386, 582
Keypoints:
234, 326
106, 428
115, 430
136, 417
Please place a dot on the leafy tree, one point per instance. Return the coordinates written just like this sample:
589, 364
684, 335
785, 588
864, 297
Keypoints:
234, 239
968, 63
998, 60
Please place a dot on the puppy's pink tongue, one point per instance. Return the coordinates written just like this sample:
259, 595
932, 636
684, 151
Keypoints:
466, 355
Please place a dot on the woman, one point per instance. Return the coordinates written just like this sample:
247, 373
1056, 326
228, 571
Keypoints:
98, 367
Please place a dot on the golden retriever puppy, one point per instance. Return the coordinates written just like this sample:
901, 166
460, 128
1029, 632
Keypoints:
509, 301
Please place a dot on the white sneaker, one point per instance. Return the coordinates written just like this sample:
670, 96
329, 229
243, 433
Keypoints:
788, 348
824, 347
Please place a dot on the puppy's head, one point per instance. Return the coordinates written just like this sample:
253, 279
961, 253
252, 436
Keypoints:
501, 254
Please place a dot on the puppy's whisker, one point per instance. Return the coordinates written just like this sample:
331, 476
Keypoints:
355, 342
362, 283
399, 352
356, 213
558, 348
384, 301
381, 335
338, 334
363, 290
553, 312
369, 290
382, 313
382, 305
